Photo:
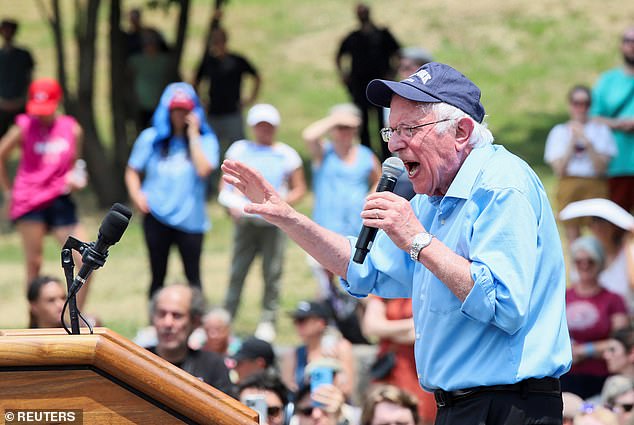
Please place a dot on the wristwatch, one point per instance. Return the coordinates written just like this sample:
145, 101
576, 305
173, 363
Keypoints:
420, 241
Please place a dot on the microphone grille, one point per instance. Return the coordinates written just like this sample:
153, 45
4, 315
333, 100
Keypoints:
393, 167
113, 226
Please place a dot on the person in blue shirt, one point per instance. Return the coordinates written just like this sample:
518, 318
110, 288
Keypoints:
477, 250
175, 156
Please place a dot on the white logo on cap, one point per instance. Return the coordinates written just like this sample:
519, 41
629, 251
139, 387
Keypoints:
422, 75
41, 96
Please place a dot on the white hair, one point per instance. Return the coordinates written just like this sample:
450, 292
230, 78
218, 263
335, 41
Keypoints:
220, 313
480, 136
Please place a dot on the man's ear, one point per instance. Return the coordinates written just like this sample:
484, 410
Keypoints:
464, 129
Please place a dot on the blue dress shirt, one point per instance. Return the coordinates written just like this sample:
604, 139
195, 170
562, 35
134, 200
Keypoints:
512, 325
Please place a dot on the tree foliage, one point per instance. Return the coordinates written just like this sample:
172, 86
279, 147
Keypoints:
106, 156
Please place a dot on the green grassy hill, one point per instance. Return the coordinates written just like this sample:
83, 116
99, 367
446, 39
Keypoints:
523, 55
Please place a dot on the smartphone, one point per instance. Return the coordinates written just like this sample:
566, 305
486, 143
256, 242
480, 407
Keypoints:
319, 376
257, 402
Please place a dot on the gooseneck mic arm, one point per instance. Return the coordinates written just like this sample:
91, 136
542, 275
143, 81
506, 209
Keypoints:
93, 256
392, 168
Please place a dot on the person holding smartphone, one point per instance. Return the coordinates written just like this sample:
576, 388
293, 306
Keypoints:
265, 393
175, 156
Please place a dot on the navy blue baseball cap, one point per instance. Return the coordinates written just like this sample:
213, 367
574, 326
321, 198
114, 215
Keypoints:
433, 82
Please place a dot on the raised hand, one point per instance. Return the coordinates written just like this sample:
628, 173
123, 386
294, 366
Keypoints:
266, 202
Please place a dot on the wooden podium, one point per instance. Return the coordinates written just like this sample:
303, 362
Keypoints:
109, 378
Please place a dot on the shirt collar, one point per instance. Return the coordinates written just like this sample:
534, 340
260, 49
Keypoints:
469, 171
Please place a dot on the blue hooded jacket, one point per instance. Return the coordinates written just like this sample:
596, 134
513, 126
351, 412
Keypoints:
174, 191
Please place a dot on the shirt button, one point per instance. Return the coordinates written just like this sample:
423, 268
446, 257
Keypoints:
417, 336
442, 221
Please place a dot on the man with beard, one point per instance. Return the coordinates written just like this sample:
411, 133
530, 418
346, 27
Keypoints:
613, 104
176, 311
477, 250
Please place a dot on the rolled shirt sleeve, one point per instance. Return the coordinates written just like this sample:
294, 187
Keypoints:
502, 278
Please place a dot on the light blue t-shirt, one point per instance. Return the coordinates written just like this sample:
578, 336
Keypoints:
512, 325
276, 163
174, 191
340, 190
613, 89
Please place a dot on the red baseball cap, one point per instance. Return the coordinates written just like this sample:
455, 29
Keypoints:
181, 100
44, 96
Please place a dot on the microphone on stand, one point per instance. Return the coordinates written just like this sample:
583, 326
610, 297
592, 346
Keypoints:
110, 232
93, 256
392, 168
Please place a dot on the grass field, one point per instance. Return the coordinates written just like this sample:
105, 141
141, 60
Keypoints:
523, 55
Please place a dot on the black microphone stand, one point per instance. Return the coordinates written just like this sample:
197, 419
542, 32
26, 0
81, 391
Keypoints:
91, 258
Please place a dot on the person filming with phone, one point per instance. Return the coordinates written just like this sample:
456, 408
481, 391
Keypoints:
265, 393
477, 250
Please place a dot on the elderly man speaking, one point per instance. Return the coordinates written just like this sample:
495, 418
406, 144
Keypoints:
476, 249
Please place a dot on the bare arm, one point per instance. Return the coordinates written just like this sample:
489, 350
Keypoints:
287, 370
79, 137
257, 81
375, 323
375, 175
297, 184
330, 249
621, 124
559, 165
619, 321
133, 183
346, 379
201, 164
313, 136
9, 141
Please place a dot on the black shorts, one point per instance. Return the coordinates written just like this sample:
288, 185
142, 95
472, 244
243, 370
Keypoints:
58, 213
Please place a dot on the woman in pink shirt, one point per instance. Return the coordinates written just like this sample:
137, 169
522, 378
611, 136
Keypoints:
39, 197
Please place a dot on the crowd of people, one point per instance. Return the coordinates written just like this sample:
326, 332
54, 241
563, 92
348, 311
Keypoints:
469, 302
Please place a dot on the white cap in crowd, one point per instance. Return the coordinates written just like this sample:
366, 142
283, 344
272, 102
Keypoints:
263, 112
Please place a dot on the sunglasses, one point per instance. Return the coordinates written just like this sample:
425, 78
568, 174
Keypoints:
305, 411
274, 411
580, 102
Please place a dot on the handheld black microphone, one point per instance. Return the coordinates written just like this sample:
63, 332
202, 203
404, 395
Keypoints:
110, 232
392, 168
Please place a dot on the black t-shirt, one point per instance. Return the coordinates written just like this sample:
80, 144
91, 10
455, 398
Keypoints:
208, 367
225, 80
15, 72
370, 52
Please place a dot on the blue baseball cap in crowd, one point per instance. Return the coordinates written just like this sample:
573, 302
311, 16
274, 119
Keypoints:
433, 82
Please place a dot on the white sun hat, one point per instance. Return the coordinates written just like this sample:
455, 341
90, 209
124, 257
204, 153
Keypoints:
598, 207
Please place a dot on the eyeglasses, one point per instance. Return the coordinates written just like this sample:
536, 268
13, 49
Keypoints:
628, 40
274, 411
405, 131
305, 411
576, 102
300, 320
